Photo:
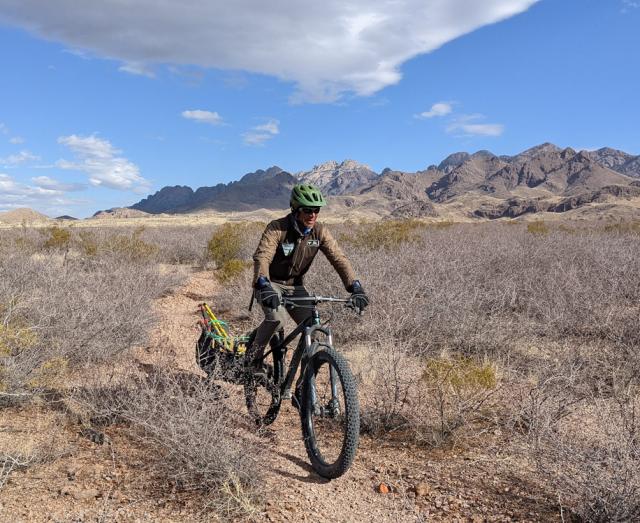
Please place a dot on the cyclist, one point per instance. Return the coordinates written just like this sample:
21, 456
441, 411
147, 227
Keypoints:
286, 250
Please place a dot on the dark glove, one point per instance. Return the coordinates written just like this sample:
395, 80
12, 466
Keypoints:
268, 296
358, 297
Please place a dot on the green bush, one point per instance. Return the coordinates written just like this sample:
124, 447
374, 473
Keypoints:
385, 234
231, 269
538, 227
623, 227
458, 389
133, 247
87, 243
59, 238
228, 242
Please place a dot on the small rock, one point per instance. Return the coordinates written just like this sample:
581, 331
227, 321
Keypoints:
422, 489
86, 494
383, 488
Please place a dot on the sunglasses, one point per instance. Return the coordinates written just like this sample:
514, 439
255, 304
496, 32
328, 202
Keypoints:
310, 210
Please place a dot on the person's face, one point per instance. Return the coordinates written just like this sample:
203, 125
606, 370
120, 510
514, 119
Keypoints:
308, 215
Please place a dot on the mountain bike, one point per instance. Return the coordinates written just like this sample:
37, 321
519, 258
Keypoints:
325, 392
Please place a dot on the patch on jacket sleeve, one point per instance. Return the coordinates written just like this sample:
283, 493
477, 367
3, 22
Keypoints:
287, 248
313, 243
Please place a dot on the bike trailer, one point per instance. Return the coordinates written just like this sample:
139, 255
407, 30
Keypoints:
215, 347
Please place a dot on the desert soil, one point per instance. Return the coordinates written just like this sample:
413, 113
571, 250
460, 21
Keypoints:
87, 479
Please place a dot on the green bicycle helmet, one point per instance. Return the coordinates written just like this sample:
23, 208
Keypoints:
304, 195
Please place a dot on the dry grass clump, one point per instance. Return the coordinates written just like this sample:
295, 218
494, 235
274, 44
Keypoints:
433, 401
623, 227
60, 313
193, 438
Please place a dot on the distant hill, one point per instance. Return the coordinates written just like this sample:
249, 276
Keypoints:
119, 212
24, 214
468, 182
261, 189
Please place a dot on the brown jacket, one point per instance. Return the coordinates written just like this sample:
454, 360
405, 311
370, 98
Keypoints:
284, 254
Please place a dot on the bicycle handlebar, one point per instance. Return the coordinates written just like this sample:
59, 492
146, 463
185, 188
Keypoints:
294, 300
301, 301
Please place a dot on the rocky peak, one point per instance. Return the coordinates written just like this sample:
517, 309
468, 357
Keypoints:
261, 175
452, 161
538, 150
338, 178
166, 199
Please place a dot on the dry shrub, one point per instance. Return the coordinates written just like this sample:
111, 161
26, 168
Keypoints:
623, 227
59, 315
194, 438
432, 401
593, 460
459, 389
180, 244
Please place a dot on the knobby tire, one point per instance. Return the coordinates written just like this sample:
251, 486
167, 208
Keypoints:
328, 467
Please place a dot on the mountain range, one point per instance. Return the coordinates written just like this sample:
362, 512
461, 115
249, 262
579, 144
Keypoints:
542, 178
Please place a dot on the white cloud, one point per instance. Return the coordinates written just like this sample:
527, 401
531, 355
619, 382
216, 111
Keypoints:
210, 117
3, 129
16, 140
437, 109
627, 5
271, 127
44, 182
262, 133
466, 125
137, 69
14, 194
325, 48
20, 158
101, 162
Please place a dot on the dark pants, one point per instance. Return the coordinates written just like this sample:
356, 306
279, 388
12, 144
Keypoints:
274, 319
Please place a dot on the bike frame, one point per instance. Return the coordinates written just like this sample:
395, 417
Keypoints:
307, 328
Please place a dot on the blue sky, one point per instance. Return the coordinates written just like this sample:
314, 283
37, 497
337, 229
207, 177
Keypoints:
104, 103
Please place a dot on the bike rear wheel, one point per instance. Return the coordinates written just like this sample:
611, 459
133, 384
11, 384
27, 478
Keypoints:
329, 412
262, 388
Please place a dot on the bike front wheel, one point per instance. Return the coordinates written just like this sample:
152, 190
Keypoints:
329, 412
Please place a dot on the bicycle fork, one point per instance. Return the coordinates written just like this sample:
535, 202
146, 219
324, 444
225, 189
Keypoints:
332, 408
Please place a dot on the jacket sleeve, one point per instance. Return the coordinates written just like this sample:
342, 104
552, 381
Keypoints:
265, 251
329, 246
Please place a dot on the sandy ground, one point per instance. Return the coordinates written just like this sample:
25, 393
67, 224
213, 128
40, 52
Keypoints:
76, 479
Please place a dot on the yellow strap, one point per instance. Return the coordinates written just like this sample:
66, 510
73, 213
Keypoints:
220, 331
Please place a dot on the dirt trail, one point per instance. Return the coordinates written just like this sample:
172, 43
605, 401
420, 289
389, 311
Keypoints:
89, 482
